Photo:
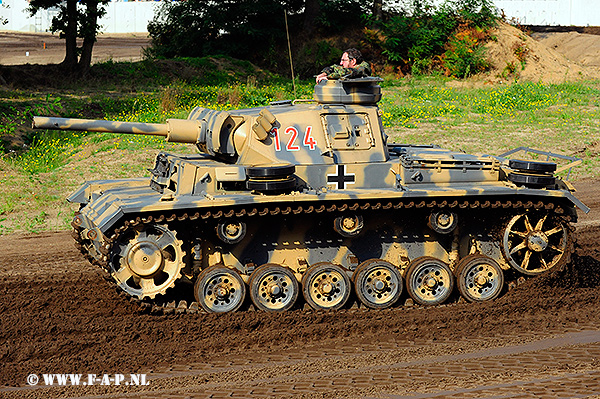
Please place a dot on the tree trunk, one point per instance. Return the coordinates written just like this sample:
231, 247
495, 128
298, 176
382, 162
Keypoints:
89, 28
86, 54
70, 61
377, 9
311, 12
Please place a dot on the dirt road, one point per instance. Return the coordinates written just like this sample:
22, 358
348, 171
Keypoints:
18, 48
58, 315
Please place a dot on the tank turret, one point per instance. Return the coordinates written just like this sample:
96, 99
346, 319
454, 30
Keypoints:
306, 201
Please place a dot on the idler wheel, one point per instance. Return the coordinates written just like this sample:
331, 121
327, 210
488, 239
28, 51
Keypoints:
378, 283
273, 288
536, 242
219, 289
480, 278
326, 286
429, 281
348, 225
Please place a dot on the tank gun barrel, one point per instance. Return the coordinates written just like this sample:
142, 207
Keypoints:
212, 131
91, 125
175, 130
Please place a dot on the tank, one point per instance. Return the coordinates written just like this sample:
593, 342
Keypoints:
306, 203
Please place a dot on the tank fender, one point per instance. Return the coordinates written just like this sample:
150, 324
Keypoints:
577, 202
83, 195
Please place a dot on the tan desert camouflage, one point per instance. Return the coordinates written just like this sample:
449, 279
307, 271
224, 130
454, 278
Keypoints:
307, 202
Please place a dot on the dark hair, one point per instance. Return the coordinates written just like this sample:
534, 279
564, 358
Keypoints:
354, 54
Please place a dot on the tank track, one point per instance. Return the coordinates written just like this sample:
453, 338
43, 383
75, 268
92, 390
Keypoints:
156, 306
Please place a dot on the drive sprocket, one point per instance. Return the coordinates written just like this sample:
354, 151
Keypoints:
146, 259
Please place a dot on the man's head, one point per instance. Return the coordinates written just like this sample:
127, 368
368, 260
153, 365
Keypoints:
351, 58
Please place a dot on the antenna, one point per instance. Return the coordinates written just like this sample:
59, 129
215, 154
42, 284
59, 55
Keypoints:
287, 32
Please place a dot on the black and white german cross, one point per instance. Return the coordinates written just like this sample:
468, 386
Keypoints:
341, 178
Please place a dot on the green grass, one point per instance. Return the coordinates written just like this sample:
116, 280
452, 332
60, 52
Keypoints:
562, 118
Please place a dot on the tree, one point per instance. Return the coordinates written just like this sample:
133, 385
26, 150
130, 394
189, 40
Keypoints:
377, 9
245, 29
312, 8
255, 30
76, 19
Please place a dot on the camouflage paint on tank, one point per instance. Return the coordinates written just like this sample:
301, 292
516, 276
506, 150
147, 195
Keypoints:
342, 166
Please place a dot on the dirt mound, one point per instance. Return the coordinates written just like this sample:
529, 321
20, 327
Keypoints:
583, 48
514, 55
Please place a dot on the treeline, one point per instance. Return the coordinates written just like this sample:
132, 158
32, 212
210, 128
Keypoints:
410, 36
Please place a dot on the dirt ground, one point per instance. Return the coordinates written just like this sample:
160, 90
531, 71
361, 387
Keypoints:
59, 315
20, 48
541, 339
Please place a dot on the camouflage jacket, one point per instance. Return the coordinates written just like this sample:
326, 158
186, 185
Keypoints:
337, 71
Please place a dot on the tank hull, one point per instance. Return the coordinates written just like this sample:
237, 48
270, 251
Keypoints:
297, 230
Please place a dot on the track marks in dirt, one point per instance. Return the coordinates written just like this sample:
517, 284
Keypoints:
60, 316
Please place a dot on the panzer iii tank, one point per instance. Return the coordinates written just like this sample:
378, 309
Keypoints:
307, 199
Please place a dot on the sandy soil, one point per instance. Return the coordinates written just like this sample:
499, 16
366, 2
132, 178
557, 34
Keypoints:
60, 316
543, 57
46, 48
582, 48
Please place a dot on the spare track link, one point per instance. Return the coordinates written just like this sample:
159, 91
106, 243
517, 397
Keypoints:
157, 307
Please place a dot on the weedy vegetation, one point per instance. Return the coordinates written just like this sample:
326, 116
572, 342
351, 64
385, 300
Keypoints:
38, 169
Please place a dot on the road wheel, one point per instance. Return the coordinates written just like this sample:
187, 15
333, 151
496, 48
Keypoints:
429, 281
479, 278
326, 286
378, 284
273, 288
219, 289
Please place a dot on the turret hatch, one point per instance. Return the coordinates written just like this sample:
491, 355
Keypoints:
348, 131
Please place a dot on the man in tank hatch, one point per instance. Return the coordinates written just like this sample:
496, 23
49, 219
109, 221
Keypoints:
351, 65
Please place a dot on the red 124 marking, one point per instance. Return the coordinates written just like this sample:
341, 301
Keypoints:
291, 145
308, 141
277, 142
